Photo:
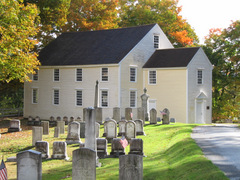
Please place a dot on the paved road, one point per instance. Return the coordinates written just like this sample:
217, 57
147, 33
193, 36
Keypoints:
221, 144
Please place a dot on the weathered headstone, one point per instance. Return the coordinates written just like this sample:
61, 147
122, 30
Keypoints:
61, 125
130, 130
139, 127
99, 118
140, 114
45, 125
65, 119
30, 121
59, 118
105, 127
52, 121
71, 119
37, 121
117, 114
37, 133
145, 103
153, 116
73, 136
60, 150
82, 129
29, 165
84, 164
15, 126
101, 147
136, 146
56, 132
128, 113
43, 147
116, 148
90, 132
131, 167
166, 114
121, 127
111, 129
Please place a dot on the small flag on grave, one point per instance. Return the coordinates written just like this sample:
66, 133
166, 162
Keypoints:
124, 142
163, 113
3, 171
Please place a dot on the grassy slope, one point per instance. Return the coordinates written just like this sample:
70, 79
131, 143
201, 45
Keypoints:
170, 151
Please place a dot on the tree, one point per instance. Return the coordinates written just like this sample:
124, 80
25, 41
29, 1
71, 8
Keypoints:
223, 50
17, 29
92, 15
163, 12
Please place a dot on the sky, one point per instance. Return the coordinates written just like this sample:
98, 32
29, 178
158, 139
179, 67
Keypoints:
203, 15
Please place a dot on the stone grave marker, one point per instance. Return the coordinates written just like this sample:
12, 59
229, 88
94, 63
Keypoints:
30, 121
45, 125
65, 119
59, 118
145, 103
73, 136
104, 125
29, 165
116, 148
99, 118
140, 114
82, 129
97, 129
37, 133
111, 129
128, 113
84, 164
136, 146
52, 121
153, 116
61, 125
37, 121
121, 127
101, 147
172, 120
56, 132
130, 130
131, 167
165, 114
43, 147
15, 126
71, 119
60, 150
117, 114
139, 127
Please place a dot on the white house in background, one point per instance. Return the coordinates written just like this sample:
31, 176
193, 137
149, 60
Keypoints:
124, 61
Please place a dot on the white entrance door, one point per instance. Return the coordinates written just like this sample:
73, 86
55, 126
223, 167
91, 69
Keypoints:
200, 112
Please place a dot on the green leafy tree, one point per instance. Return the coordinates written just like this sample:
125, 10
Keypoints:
17, 29
223, 50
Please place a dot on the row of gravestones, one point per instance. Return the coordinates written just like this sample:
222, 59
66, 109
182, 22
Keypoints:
29, 165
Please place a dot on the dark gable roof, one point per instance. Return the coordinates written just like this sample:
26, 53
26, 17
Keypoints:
167, 58
92, 47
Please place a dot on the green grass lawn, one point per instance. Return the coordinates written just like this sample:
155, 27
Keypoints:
170, 154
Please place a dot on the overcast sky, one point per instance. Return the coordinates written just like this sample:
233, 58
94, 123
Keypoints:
203, 15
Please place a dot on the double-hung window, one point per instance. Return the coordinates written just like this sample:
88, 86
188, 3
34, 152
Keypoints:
152, 77
56, 94
133, 99
104, 74
79, 75
156, 41
79, 97
200, 76
133, 74
104, 98
34, 96
56, 75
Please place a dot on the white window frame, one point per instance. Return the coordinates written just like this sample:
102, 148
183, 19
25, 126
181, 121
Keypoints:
133, 77
81, 99
56, 75
156, 41
106, 99
151, 79
56, 98
79, 75
35, 96
133, 99
104, 74
35, 76
200, 76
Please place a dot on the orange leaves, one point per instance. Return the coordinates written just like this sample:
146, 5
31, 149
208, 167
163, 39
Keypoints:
182, 37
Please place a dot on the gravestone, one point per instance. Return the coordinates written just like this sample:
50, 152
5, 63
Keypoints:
30, 121
73, 136
121, 127
153, 116
29, 165
99, 118
130, 130
84, 164
45, 125
131, 167
136, 146
117, 114
37, 133
166, 114
82, 129
61, 125
139, 127
15, 126
140, 114
43, 147
101, 148
59, 118
56, 132
71, 119
172, 120
116, 148
97, 130
65, 119
128, 113
84, 113
145, 103
37, 121
111, 129
52, 121
60, 150
104, 125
